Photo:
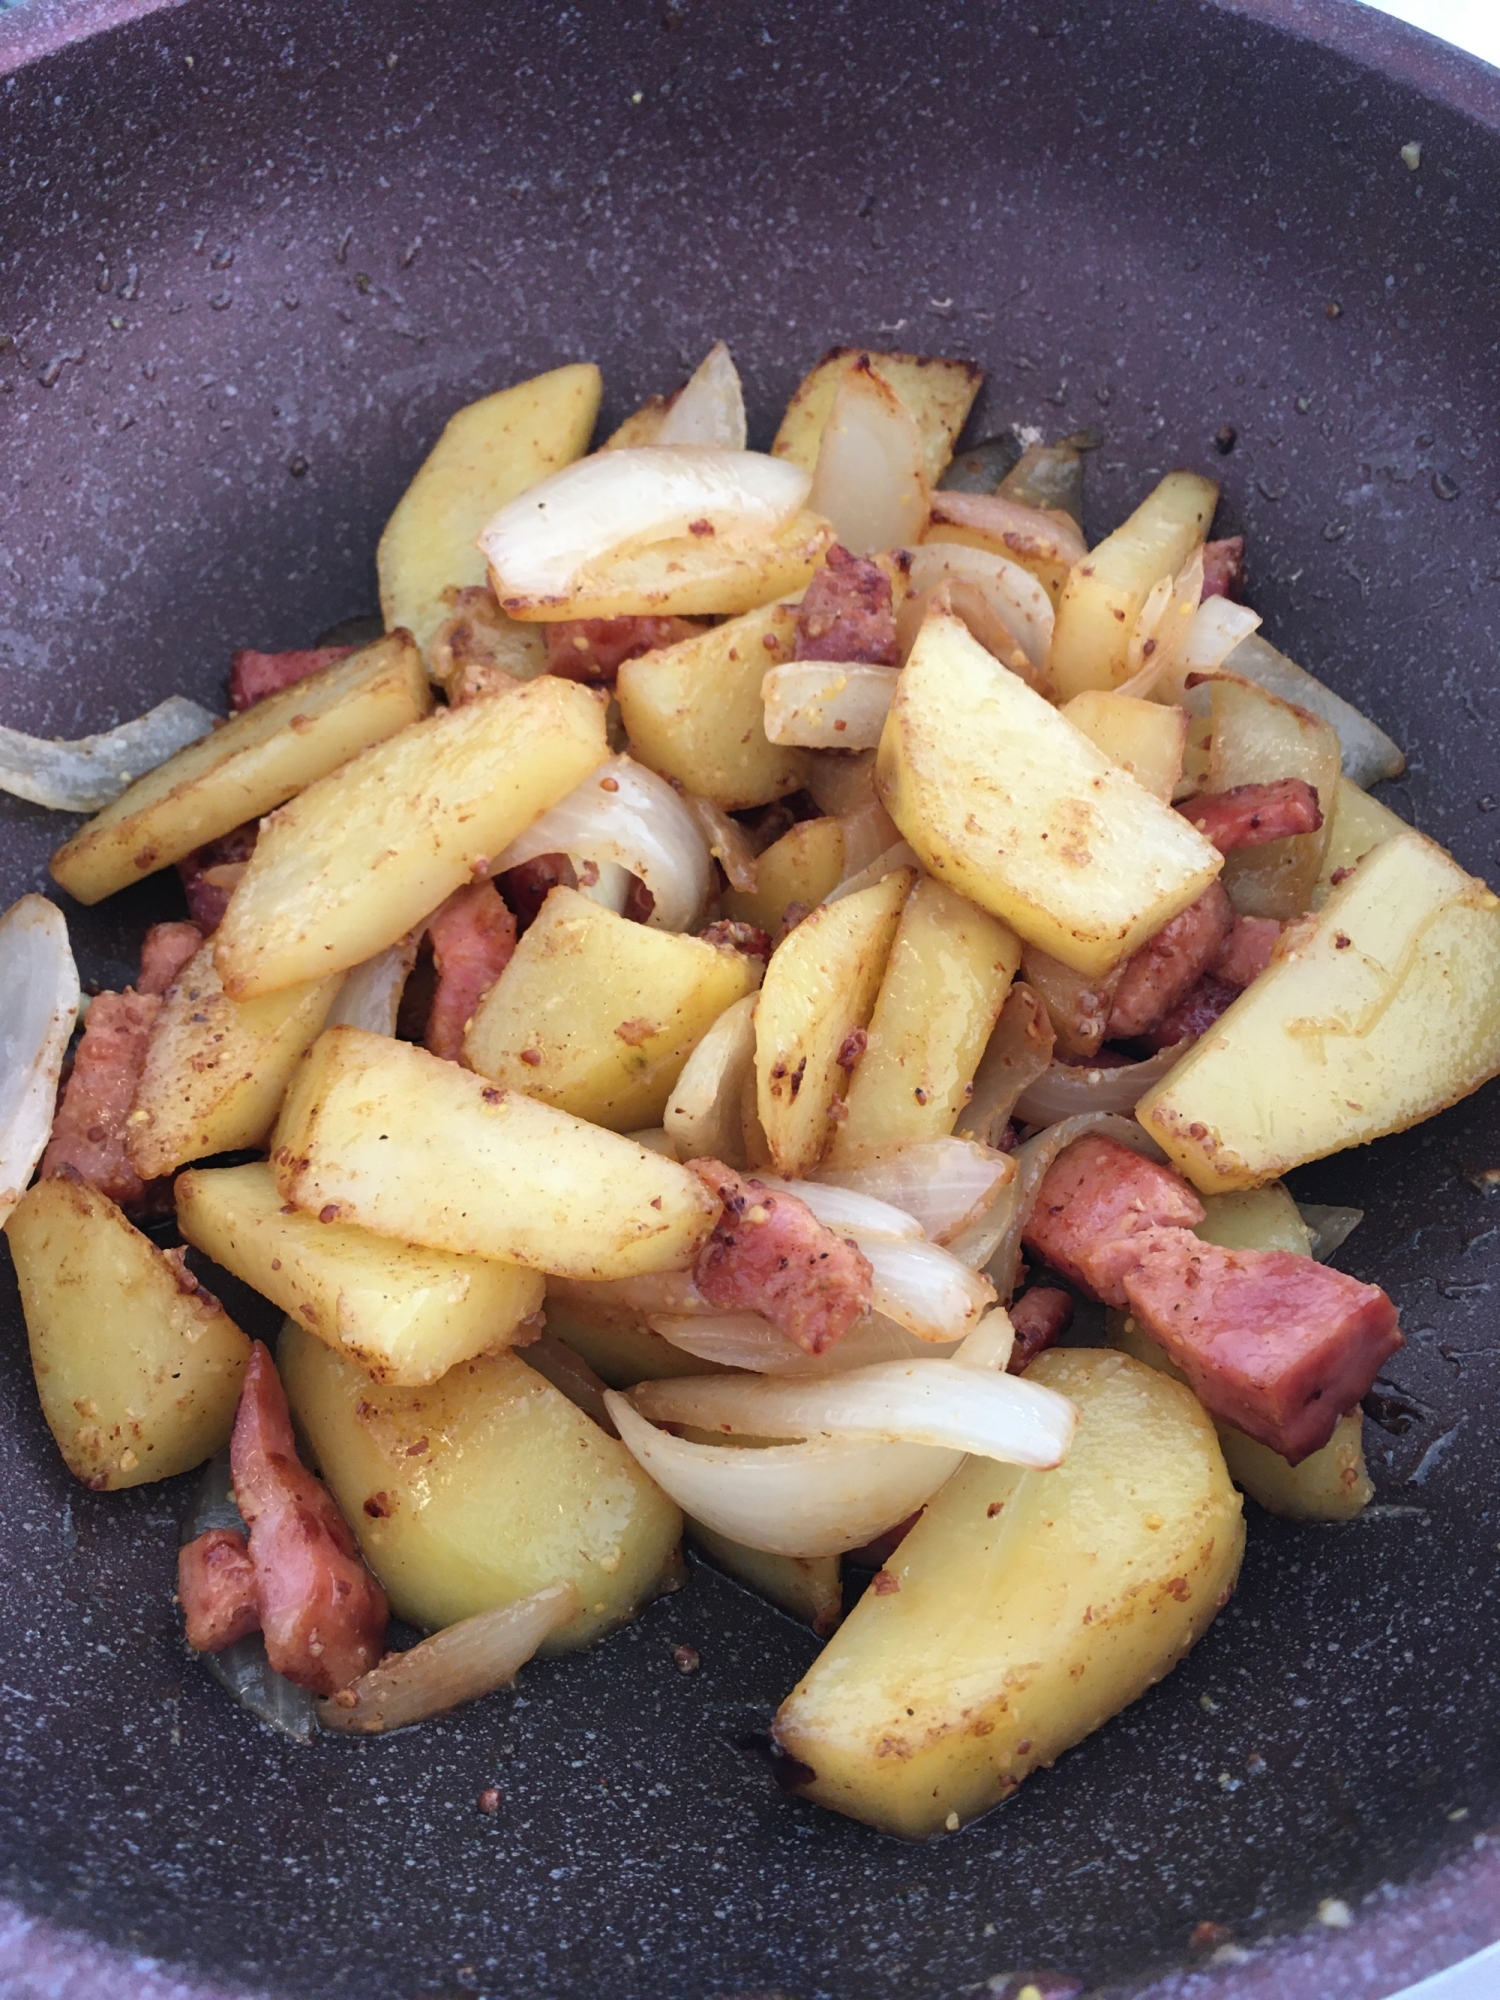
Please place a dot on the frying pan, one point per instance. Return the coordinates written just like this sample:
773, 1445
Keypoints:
252, 257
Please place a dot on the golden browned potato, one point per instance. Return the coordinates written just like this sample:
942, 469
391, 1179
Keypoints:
481, 1488
693, 711
1013, 807
406, 1315
383, 1135
254, 762
1104, 593
938, 393
1145, 738
804, 866
489, 452
217, 1069
808, 1587
1024, 1609
1255, 739
819, 988
138, 1370
597, 1015
362, 856
945, 982
1376, 1012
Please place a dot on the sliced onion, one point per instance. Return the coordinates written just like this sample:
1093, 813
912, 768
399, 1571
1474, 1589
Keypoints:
1066, 1089
702, 1117
458, 1664
944, 1183
930, 1292
565, 1368
654, 1139
938, 1403
1329, 1228
1158, 641
870, 480
92, 771
726, 841
1368, 753
842, 783
990, 1344
39, 982
869, 831
1002, 1263
653, 1291
709, 409
1017, 1053
370, 996
901, 855
827, 705
1036, 533
1219, 625
1018, 600
849, 1211
746, 1340
540, 544
626, 815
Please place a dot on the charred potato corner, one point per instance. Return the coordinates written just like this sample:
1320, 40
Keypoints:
772, 1007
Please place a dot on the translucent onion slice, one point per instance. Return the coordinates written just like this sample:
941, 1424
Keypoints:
822, 705
1219, 625
1328, 1227
1036, 532
938, 1403
1159, 640
370, 996
1368, 753
1017, 1053
850, 1211
901, 855
945, 1184
930, 1292
709, 409
1016, 597
746, 1340
625, 815
869, 832
540, 544
456, 1665
870, 480
702, 1117
653, 1292
1066, 1089
726, 842
1000, 1246
39, 985
92, 771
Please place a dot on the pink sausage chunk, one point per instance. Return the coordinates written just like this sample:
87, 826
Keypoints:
847, 613
770, 1254
216, 1582
1097, 1199
1252, 815
473, 936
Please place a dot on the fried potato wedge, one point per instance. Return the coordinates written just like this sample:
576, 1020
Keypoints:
804, 866
1012, 806
1145, 738
1359, 824
488, 452
597, 1015
1256, 738
807, 1587
138, 1370
938, 393
1024, 1609
406, 1315
256, 761
481, 1488
615, 1339
1375, 1013
353, 863
383, 1135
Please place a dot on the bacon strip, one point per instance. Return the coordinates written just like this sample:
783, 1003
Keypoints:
594, 649
209, 874
1224, 567
252, 675
473, 936
770, 1254
1251, 815
1096, 1199
1040, 1317
323, 1614
89, 1131
847, 613
165, 950
216, 1583
1170, 964
1273, 1343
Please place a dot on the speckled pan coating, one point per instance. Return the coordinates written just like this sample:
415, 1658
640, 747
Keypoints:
250, 259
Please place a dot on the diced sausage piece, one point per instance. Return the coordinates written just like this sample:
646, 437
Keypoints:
770, 1254
729, 935
165, 950
473, 936
1275, 1344
594, 649
1040, 1317
1170, 964
1194, 1014
847, 613
1098, 1197
527, 887
322, 1613
1224, 567
1246, 952
216, 1582
209, 874
1251, 815
89, 1131
252, 675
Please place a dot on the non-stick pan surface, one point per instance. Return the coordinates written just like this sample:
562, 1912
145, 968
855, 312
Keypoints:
251, 257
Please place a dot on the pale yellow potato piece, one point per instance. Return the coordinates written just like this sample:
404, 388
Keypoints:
693, 711
615, 1340
1376, 1012
257, 760
1359, 823
1030, 1607
804, 866
597, 1015
1145, 738
353, 863
688, 576
807, 1587
1257, 738
488, 452
819, 987
1012, 806
405, 1315
138, 1371
481, 1488
938, 393
217, 1069
1103, 595
945, 982
381, 1134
